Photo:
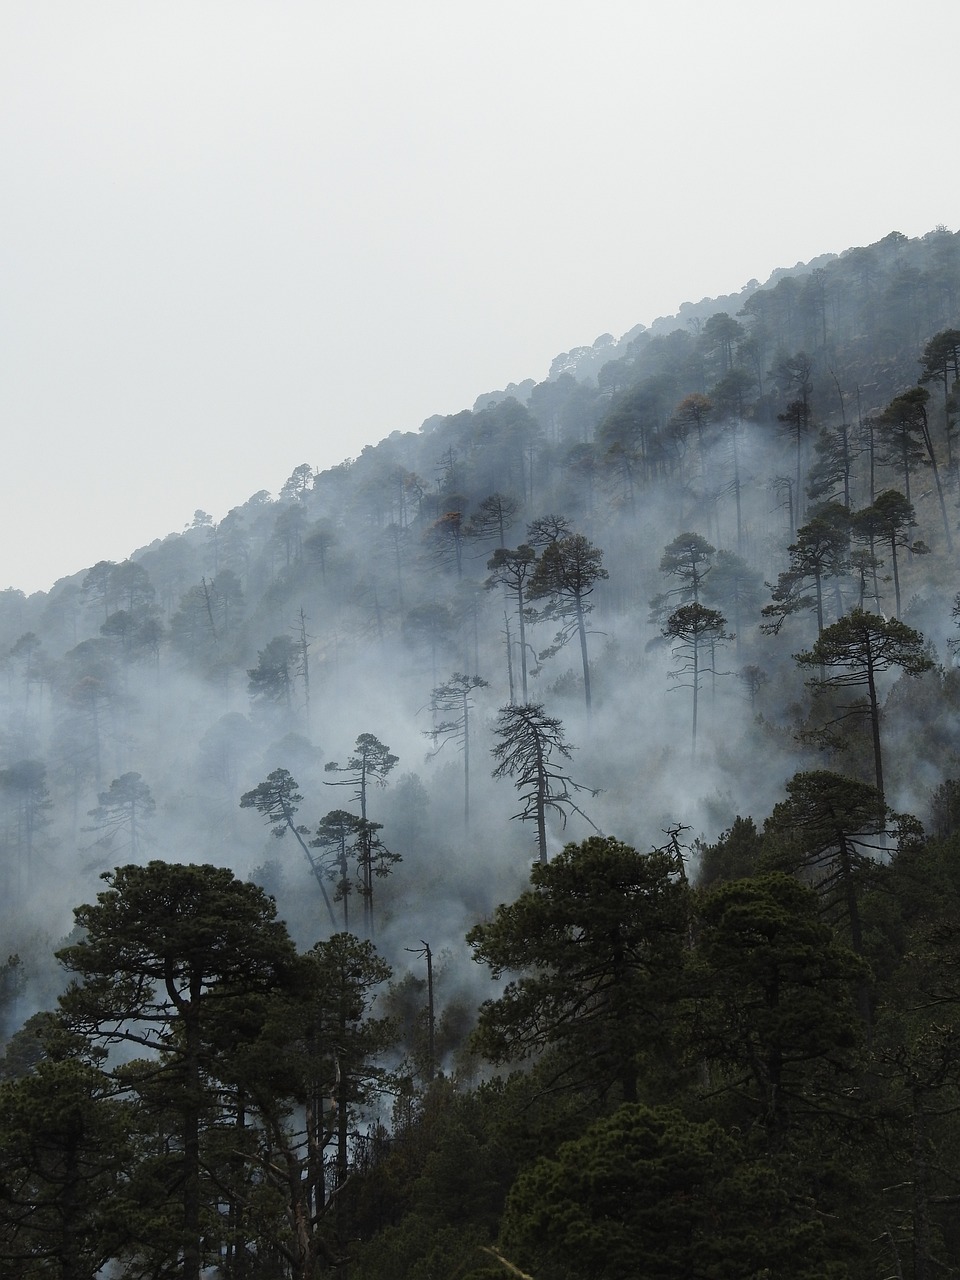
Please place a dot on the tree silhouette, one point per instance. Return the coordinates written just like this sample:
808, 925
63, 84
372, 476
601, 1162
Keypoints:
907, 429
337, 837
565, 576
271, 680
278, 800
512, 570
121, 810
369, 766
940, 359
528, 750
168, 952
857, 648
453, 698
829, 827
24, 808
492, 518
688, 558
691, 627
889, 519
898, 430
820, 552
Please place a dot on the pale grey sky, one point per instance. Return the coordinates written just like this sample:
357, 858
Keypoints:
239, 236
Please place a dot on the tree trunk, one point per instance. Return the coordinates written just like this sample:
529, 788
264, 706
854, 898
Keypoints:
582, 632
875, 728
191, 1136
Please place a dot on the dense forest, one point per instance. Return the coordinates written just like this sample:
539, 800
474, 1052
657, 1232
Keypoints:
626, 944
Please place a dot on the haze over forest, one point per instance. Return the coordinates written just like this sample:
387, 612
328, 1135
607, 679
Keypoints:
235, 236
667, 559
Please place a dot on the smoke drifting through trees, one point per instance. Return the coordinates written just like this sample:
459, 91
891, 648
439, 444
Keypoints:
220, 670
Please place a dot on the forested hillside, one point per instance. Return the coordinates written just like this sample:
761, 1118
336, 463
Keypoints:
528, 845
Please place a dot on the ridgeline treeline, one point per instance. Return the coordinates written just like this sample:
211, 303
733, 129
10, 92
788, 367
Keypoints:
626, 944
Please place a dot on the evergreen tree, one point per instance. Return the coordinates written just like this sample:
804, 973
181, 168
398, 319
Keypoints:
368, 767
565, 576
856, 650
455, 697
278, 800
530, 741
691, 628
597, 941
166, 950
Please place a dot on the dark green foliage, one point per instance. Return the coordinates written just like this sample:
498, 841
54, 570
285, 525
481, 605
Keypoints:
66, 1149
734, 856
597, 943
831, 830
649, 1192
855, 650
774, 1011
167, 950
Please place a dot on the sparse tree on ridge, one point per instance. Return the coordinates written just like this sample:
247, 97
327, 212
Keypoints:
821, 551
299, 483
856, 649
565, 576
691, 628
512, 570
530, 749
889, 520
337, 837
454, 698
369, 766
120, 812
278, 800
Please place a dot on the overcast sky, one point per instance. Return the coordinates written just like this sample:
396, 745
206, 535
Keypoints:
235, 237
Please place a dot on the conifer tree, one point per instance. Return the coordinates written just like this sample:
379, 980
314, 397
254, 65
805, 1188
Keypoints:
530, 749
855, 650
166, 949
565, 576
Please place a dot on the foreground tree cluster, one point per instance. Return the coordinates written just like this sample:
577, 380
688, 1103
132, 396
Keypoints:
755, 1075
